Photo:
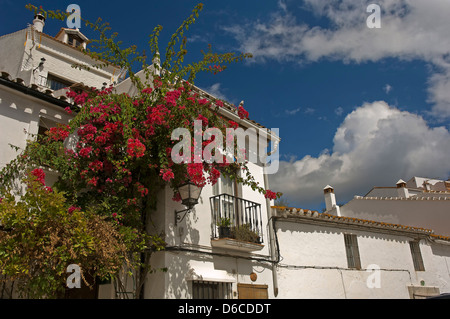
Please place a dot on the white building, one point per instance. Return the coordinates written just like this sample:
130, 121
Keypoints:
326, 256
36, 70
199, 263
420, 202
294, 254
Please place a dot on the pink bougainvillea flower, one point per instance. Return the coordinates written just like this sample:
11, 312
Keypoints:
243, 114
214, 176
142, 189
39, 174
172, 97
166, 174
85, 152
72, 209
93, 181
58, 133
80, 99
233, 124
270, 195
176, 197
135, 148
157, 82
195, 172
147, 90
203, 119
96, 165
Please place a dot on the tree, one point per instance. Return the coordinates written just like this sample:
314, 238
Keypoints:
123, 151
42, 234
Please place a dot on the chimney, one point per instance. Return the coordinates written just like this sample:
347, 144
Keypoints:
402, 191
330, 200
39, 22
156, 60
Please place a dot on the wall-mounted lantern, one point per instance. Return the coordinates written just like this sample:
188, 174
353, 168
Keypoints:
190, 194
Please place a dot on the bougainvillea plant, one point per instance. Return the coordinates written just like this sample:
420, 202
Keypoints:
117, 152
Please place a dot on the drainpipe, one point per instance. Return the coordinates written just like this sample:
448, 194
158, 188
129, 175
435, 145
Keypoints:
271, 225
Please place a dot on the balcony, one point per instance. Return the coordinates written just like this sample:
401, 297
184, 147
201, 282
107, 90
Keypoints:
236, 223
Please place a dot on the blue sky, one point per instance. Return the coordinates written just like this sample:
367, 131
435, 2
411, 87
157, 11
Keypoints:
355, 107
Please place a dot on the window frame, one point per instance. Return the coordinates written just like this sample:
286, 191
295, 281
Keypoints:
352, 251
206, 289
416, 255
57, 80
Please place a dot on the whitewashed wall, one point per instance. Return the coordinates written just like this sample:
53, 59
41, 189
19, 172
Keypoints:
194, 233
415, 211
21, 53
19, 120
314, 265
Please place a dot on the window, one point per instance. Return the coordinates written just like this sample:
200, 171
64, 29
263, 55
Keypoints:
417, 256
55, 83
211, 290
44, 125
224, 186
75, 40
352, 251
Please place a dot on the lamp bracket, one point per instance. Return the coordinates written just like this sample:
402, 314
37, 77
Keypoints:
179, 218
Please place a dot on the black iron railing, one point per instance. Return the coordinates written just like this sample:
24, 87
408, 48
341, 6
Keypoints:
242, 217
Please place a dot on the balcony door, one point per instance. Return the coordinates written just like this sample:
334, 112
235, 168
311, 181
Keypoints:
225, 186
225, 205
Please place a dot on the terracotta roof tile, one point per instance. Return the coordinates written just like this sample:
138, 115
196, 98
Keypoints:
298, 212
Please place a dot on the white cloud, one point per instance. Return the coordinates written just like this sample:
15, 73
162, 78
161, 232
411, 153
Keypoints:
216, 91
439, 92
309, 110
339, 110
411, 30
387, 88
197, 38
293, 112
282, 5
375, 145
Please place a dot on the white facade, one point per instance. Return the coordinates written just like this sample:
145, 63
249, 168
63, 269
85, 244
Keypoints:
28, 59
193, 255
21, 55
300, 255
408, 204
21, 113
313, 259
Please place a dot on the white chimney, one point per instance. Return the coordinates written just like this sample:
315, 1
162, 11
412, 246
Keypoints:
39, 22
330, 201
156, 60
402, 191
